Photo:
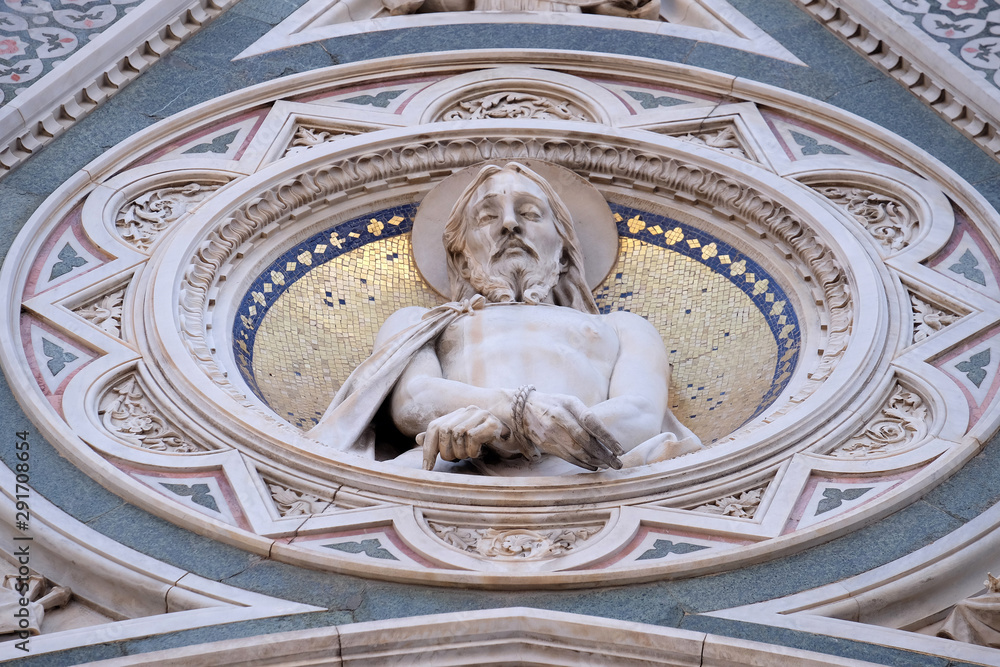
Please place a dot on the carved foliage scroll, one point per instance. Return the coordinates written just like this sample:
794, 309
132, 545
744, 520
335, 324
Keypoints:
147, 216
725, 139
128, 414
891, 222
305, 138
291, 502
105, 312
515, 543
515, 105
742, 506
928, 318
902, 420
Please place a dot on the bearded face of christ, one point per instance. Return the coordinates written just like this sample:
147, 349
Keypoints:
513, 248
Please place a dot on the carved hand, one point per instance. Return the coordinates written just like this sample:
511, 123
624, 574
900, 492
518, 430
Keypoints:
460, 435
563, 426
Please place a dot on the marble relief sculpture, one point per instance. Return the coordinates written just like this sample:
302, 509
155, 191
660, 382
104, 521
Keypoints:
519, 372
976, 620
24, 601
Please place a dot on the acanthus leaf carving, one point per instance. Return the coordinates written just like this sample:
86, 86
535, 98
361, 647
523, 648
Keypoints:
891, 222
511, 104
742, 506
105, 312
128, 414
291, 502
725, 139
306, 137
928, 318
147, 216
902, 420
515, 543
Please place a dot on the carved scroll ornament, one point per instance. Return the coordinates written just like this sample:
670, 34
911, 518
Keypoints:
296, 503
105, 313
515, 105
515, 543
891, 222
928, 318
128, 414
305, 138
147, 216
902, 420
724, 139
742, 506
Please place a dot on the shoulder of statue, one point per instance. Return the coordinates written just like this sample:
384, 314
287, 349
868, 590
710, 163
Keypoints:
398, 321
623, 320
410, 314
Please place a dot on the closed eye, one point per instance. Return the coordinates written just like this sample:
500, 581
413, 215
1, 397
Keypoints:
530, 213
486, 217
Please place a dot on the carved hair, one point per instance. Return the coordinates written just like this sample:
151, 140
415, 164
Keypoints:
571, 289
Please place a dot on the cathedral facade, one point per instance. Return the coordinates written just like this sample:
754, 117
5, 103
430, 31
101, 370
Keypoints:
264, 404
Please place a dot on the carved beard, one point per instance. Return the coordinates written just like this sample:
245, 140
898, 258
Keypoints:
514, 278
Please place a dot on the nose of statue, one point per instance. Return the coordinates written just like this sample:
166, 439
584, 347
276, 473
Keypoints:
511, 225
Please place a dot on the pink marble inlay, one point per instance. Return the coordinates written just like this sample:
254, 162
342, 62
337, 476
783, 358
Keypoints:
634, 106
771, 119
382, 531
54, 397
260, 114
229, 496
965, 226
363, 88
946, 363
644, 531
798, 511
72, 221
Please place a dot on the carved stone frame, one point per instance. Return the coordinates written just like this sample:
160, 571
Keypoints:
853, 300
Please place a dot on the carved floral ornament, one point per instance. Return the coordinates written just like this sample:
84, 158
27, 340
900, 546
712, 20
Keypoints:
218, 237
105, 312
142, 220
514, 543
891, 222
507, 105
902, 421
128, 414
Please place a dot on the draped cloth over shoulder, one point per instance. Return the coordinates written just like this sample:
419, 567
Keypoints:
346, 423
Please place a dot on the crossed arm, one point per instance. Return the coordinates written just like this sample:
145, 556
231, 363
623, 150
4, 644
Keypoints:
457, 420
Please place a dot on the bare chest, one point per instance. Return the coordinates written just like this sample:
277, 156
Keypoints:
559, 349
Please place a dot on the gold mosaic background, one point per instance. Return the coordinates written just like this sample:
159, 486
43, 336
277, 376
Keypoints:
305, 348
721, 348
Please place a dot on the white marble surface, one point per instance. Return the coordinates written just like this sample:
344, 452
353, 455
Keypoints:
178, 348
513, 635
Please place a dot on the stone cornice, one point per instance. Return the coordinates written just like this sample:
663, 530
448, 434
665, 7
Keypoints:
96, 72
931, 73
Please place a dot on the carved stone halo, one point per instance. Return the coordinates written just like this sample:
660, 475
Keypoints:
595, 226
